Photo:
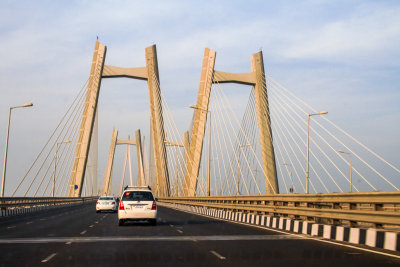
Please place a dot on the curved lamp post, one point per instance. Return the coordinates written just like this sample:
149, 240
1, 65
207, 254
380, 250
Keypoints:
3, 181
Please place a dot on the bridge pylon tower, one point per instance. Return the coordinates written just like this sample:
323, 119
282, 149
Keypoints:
99, 71
255, 78
107, 181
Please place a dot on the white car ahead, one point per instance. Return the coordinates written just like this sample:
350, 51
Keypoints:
137, 204
107, 203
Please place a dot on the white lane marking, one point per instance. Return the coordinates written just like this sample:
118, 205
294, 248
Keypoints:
83, 232
11, 227
96, 222
91, 225
49, 257
298, 236
29, 222
43, 219
171, 225
68, 243
216, 254
179, 231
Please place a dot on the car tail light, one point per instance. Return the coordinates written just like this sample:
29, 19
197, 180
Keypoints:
98, 203
121, 205
154, 206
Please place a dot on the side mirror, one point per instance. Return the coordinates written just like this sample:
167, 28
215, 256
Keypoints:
156, 199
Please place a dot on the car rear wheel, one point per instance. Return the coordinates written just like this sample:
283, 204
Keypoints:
120, 222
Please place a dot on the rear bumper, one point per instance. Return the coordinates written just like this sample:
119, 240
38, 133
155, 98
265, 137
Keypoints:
106, 207
142, 215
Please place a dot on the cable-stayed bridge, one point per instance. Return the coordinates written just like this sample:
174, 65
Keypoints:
278, 162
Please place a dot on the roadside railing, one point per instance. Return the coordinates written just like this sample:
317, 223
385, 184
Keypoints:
10, 206
371, 209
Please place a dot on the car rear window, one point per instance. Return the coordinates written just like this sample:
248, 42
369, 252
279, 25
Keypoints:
106, 198
137, 196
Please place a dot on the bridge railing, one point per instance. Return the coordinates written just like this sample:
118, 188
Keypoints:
376, 209
20, 205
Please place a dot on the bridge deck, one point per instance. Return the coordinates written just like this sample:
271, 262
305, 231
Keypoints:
77, 236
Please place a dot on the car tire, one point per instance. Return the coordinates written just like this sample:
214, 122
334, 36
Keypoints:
153, 222
120, 222
97, 211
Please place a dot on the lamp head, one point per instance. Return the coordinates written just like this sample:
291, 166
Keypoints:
323, 112
28, 105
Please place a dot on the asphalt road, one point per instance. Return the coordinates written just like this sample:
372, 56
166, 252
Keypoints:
78, 236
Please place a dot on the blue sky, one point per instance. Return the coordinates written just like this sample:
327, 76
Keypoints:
342, 56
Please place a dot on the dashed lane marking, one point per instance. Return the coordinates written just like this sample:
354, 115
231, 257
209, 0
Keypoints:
91, 225
49, 257
216, 254
179, 231
29, 222
171, 225
11, 227
68, 243
83, 232
96, 222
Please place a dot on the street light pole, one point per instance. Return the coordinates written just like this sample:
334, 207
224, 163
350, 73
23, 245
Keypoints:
308, 145
6, 148
351, 182
291, 179
55, 162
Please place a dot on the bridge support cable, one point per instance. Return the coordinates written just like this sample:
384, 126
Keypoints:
53, 178
237, 153
331, 142
73, 106
233, 115
282, 107
70, 129
320, 149
283, 121
288, 142
63, 128
337, 127
278, 110
234, 129
62, 189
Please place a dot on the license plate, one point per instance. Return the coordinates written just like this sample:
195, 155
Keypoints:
139, 206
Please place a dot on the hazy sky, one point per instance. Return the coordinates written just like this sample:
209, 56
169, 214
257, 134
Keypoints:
341, 56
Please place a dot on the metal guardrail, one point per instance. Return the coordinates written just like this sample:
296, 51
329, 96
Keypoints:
10, 206
377, 209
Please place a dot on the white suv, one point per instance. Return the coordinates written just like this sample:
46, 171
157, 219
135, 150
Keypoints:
137, 203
